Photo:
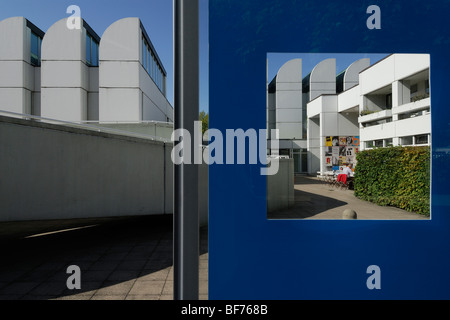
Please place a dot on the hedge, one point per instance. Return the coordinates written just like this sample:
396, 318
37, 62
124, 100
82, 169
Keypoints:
395, 176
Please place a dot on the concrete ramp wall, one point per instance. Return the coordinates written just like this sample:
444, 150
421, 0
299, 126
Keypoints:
280, 187
50, 171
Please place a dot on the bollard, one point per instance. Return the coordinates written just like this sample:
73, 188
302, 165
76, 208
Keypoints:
349, 214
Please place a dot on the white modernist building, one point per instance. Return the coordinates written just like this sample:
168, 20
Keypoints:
74, 75
386, 104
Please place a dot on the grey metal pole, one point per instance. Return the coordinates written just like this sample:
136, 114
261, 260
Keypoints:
186, 86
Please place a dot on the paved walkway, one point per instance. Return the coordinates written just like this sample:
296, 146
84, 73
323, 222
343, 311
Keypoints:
120, 259
316, 200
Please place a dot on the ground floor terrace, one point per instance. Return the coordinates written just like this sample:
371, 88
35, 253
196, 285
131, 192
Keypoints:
315, 199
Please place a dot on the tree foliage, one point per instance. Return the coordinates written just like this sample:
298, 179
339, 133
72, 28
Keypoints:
204, 118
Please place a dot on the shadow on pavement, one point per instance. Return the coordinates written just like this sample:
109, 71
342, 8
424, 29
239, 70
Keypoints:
111, 254
306, 205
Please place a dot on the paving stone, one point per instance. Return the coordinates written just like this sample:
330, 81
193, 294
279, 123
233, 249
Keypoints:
123, 275
147, 287
95, 275
110, 288
142, 297
104, 265
18, 288
132, 265
168, 288
148, 275
108, 297
49, 289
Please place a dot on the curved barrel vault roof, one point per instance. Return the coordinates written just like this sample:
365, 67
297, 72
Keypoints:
291, 71
322, 79
121, 41
12, 32
351, 77
62, 43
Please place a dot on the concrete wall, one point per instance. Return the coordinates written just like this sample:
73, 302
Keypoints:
58, 172
280, 187
349, 99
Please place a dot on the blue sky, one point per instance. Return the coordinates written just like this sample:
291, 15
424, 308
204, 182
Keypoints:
156, 15
310, 60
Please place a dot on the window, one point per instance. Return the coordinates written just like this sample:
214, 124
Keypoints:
388, 142
421, 139
427, 86
151, 65
91, 51
379, 143
36, 43
406, 141
369, 144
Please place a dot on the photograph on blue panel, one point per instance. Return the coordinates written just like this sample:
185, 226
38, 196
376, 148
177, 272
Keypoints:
351, 134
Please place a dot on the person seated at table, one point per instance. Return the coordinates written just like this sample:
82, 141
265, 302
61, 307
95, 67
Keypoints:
348, 170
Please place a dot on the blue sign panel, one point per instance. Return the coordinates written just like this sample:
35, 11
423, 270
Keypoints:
253, 257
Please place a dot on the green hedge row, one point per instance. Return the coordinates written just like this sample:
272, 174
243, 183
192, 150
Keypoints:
395, 176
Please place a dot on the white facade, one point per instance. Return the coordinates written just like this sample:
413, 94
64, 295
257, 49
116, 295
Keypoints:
67, 77
132, 79
396, 94
75, 76
285, 101
386, 104
20, 87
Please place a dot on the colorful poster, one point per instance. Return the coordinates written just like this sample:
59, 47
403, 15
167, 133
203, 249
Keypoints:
350, 151
355, 141
349, 141
328, 141
342, 141
335, 141
335, 156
